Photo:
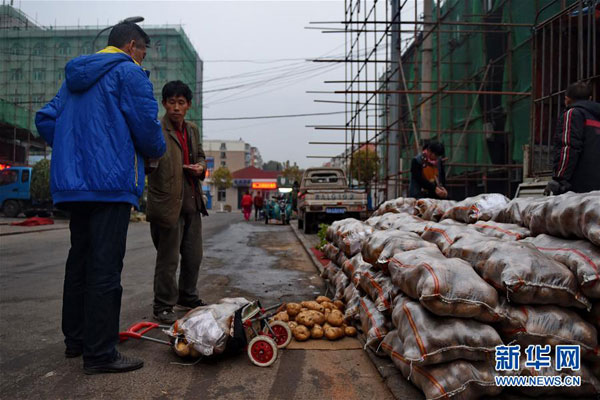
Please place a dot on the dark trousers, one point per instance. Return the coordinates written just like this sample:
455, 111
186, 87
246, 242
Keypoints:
185, 239
92, 288
257, 212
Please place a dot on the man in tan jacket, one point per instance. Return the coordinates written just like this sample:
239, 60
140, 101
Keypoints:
175, 207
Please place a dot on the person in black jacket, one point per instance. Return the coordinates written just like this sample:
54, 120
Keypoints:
577, 144
427, 175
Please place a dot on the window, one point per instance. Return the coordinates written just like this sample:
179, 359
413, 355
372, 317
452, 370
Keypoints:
223, 154
86, 48
39, 74
16, 74
223, 164
16, 50
64, 49
223, 146
8, 176
61, 74
25, 176
221, 194
39, 49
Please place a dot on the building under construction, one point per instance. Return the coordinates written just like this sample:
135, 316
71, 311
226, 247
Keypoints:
484, 77
32, 71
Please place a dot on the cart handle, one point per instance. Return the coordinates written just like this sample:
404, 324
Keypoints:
137, 331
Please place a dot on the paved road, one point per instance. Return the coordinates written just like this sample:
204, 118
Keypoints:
241, 259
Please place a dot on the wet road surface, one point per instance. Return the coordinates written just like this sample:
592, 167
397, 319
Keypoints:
240, 259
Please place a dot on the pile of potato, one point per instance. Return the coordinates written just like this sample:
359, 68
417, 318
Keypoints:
315, 319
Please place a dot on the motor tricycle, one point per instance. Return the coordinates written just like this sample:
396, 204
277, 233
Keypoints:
279, 208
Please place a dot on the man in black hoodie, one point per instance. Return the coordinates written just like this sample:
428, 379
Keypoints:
577, 144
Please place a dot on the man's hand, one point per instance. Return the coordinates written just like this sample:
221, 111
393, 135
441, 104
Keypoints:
441, 192
556, 187
194, 169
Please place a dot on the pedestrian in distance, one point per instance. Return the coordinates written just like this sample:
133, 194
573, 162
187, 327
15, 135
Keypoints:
427, 175
176, 206
577, 143
258, 205
247, 205
101, 125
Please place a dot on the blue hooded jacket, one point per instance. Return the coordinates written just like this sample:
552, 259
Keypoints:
101, 125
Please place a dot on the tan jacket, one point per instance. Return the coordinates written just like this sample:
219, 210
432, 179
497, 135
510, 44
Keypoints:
165, 183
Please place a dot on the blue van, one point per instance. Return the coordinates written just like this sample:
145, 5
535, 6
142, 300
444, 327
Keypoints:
15, 194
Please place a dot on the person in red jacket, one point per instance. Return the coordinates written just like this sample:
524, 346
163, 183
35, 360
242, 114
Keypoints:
577, 144
247, 205
258, 205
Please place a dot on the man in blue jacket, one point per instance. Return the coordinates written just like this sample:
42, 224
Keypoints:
101, 125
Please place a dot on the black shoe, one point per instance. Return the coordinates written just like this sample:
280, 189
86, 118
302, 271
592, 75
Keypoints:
72, 353
191, 304
165, 316
121, 364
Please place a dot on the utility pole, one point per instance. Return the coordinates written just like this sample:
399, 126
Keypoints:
426, 64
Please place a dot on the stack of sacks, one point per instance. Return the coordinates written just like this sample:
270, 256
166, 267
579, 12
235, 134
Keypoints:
348, 235
487, 274
399, 205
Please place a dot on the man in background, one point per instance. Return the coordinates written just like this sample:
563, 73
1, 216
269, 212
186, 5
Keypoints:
577, 144
176, 206
427, 175
101, 125
258, 205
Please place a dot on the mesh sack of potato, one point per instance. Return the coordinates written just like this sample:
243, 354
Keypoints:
502, 230
352, 235
381, 246
329, 271
373, 323
340, 281
403, 221
396, 206
340, 259
445, 286
514, 212
354, 267
548, 325
428, 339
590, 385
373, 220
379, 288
330, 251
520, 270
581, 256
433, 209
352, 300
483, 207
570, 215
593, 317
458, 379
444, 233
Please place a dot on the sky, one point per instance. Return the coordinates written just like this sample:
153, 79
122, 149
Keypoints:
266, 42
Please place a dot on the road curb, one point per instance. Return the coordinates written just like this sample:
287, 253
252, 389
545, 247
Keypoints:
306, 246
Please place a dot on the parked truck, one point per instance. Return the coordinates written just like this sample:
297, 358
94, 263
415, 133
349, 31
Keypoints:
15, 190
324, 196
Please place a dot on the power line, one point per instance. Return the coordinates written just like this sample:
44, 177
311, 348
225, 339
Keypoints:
272, 116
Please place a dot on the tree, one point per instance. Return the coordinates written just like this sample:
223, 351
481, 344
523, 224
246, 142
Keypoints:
293, 173
222, 178
40, 182
364, 165
273, 166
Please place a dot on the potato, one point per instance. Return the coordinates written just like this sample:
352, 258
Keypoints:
282, 316
350, 331
313, 305
326, 326
293, 309
321, 299
292, 324
194, 353
303, 309
305, 318
327, 312
335, 318
334, 333
317, 332
181, 348
328, 304
339, 305
318, 317
301, 333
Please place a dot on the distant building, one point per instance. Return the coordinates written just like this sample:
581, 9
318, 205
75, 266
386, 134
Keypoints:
32, 71
255, 158
233, 154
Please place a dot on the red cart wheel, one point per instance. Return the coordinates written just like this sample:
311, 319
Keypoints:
262, 351
283, 333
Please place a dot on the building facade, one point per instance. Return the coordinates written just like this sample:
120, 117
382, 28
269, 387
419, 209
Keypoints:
32, 71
